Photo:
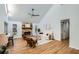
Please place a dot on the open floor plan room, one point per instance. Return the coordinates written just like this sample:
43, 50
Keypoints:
39, 29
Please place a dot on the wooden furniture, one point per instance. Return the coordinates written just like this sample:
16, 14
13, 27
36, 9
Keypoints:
31, 41
27, 28
10, 40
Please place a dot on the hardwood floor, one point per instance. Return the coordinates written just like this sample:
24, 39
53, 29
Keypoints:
53, 47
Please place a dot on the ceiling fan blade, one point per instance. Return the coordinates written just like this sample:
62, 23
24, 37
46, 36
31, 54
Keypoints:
35, 15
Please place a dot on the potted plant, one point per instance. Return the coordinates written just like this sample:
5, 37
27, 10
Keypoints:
38, 29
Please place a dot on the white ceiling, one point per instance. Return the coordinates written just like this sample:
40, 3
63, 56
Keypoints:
19, 12
2, 12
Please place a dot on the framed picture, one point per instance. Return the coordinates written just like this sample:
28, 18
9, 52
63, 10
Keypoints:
14, 29
48, 26
27, 25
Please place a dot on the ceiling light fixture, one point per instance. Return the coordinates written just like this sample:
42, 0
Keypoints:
33, 13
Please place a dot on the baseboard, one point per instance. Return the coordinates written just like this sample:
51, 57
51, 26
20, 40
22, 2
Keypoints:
74, 47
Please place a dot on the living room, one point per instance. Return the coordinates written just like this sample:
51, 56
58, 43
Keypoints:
43, 23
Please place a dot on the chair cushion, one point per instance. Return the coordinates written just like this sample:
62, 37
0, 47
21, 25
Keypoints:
3, 39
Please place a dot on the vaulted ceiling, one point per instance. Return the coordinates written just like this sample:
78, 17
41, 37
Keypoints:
19, 12
2, 12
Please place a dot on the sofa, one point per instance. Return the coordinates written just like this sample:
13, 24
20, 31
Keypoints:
3, 43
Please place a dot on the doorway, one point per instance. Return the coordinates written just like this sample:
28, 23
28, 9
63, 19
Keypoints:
14, 29
6, 28
65, 27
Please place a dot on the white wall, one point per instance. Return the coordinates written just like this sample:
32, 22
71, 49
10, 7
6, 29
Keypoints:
52, 17
33, 28
19, 28
3, 17
1, 26
60, 12
73, 13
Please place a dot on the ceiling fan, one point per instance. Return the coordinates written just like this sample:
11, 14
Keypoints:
33, 13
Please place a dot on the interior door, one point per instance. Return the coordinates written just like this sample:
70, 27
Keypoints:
65, 29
